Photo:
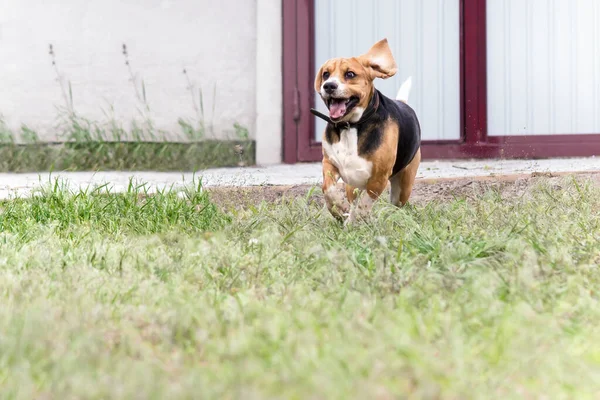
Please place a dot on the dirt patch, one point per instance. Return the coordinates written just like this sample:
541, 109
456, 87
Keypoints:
425, 190
241, 197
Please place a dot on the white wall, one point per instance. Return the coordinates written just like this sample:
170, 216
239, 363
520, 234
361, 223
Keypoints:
543, 60
216, 41
424, 37
269, 93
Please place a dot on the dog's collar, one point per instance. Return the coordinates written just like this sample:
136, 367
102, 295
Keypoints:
347, 124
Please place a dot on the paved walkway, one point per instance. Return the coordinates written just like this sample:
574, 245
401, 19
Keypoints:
23, 184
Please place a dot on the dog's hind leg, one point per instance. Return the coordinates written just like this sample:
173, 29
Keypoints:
402, 183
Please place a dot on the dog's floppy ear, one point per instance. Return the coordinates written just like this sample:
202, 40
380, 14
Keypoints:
379, 60
319, 79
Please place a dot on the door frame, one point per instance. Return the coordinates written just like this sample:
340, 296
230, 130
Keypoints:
299, 144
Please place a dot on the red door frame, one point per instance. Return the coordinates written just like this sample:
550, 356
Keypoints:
298, 94
298, 78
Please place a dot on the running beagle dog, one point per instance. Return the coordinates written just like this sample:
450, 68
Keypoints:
370, 139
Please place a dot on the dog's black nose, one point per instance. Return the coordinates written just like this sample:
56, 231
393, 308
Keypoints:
330, 87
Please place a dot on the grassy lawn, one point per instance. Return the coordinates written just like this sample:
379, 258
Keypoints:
169, 296
124, 156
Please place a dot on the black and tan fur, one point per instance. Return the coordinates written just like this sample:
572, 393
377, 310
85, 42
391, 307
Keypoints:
388, 140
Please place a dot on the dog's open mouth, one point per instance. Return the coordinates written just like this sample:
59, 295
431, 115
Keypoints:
340, 107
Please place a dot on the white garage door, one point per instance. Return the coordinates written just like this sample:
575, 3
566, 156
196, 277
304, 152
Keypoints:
425, 39
543, 67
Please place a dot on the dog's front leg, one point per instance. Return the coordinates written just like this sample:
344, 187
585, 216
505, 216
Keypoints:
335, 199
364, 203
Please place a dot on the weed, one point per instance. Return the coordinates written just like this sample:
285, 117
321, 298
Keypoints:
6, 134
241, 131
140, 156
194, 132
75, 127
139, 87
65, 85
190, 132
28, 135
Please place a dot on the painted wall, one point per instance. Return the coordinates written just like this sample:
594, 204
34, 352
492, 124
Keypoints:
214, 41
543, 60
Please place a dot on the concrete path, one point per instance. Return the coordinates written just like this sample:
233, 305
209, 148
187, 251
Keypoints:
12, 185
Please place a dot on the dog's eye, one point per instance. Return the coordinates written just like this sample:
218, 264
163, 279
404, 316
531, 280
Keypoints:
326, 75
350, 75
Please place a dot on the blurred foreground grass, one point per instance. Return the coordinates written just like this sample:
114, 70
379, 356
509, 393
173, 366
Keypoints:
166, 296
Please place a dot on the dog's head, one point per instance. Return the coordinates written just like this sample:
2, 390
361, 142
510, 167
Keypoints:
346, 84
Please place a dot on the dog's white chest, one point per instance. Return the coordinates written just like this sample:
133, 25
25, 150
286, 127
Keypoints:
354, 169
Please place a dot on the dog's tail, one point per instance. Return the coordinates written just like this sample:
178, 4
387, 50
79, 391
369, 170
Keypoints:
404, 90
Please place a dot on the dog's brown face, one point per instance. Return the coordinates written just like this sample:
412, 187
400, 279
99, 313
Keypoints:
346, 84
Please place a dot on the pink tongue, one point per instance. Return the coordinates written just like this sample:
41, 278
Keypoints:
337, 109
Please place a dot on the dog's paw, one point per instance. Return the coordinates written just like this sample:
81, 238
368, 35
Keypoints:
361, 210
337, 203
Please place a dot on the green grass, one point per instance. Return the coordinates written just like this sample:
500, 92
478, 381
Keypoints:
125, 156
166, 296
